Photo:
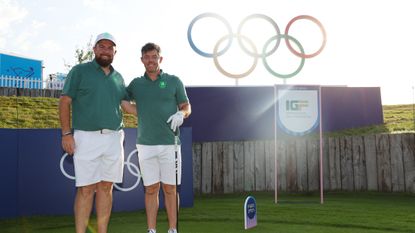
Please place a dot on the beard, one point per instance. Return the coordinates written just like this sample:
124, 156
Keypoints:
104, 62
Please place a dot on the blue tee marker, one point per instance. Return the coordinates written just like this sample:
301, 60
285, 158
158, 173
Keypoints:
250, 212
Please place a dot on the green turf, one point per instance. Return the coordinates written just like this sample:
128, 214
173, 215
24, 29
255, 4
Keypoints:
341, 212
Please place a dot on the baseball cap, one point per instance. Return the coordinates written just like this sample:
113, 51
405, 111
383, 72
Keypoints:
105, 36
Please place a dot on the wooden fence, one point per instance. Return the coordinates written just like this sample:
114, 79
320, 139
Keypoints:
384, 162
12, 91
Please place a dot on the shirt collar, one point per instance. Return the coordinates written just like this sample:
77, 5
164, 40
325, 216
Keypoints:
97, 66
159, 76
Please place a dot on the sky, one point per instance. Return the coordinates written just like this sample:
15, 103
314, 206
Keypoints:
369, 43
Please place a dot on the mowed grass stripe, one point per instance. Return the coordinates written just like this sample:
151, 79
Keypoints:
342, 212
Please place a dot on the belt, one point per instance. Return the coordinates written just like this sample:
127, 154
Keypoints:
100, 131
106, 131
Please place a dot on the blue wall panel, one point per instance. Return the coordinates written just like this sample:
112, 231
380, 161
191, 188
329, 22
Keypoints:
8, 173
42, 187
231, 113
351, 107
34, 184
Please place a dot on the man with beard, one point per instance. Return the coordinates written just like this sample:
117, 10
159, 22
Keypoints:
95, 91
163, 105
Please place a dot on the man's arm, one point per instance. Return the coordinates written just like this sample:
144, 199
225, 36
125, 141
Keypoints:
186, 109
129, 107
68, 142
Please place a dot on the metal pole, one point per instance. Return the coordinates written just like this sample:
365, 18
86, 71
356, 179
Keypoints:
176, 150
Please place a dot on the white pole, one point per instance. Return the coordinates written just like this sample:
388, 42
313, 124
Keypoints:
275, 146
321, 149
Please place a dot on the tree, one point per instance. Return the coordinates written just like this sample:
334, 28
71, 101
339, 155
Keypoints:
82, 55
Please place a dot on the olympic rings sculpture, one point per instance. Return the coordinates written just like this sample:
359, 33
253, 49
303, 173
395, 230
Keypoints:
132, 168
254, 52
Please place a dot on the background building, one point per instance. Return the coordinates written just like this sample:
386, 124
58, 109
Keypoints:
21, 72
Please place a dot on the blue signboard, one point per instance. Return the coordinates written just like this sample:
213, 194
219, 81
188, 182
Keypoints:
36, 174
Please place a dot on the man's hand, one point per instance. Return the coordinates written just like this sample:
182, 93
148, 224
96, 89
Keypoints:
68, 144
176, 120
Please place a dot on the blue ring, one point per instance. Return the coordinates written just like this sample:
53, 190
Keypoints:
189, 34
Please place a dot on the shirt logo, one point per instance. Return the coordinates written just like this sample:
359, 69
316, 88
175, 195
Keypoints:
162, 84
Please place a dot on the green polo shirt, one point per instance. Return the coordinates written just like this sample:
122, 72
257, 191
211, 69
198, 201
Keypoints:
156, 102
96, 97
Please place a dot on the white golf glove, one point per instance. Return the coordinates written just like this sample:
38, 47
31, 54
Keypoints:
176, 120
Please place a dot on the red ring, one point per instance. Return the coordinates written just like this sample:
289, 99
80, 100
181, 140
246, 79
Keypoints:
311, 18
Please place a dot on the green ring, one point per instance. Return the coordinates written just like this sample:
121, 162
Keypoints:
264, 58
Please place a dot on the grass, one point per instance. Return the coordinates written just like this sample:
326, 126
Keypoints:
341, 212
400, 117
37, 112
396, 118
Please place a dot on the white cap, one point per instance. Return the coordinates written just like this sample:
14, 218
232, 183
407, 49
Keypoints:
105, 36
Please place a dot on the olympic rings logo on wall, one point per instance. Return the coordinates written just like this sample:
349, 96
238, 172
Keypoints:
263, 54
132, 168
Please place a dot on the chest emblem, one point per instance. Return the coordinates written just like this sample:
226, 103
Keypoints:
162, 84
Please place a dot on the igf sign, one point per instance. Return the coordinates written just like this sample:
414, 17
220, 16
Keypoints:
298, 109
295, 105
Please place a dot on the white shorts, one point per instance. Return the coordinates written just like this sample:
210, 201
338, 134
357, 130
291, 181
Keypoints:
157, 164
98, 157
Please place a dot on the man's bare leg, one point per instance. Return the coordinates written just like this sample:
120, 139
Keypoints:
83, 206
103, 203
152, 204
170, 203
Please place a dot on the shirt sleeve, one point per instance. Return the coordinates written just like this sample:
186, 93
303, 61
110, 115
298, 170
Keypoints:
129, 91
124, 94
181, 96
71, 85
